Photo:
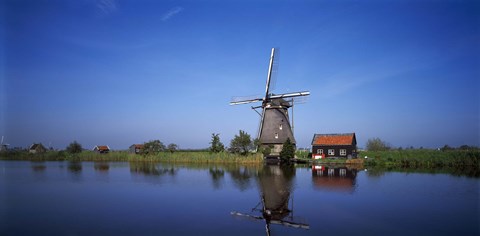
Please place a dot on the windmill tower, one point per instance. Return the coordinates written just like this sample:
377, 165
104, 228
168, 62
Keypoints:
275, 127
276, 194
3, 147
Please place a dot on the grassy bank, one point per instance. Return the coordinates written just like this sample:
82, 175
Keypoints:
176, 157
424, 158
415, 158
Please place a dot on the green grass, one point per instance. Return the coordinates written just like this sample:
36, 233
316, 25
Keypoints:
416, 158
422, 158
176, 157
199, 157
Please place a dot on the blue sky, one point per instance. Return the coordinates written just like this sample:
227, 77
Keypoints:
121, 72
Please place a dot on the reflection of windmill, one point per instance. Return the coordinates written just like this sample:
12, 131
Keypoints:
275, 127
3, 147
275, 184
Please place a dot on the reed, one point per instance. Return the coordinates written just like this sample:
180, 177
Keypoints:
422, 158
176, 157
200, 157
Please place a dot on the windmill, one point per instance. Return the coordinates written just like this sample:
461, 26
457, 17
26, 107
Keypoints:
276, 188
275, 127
3, 147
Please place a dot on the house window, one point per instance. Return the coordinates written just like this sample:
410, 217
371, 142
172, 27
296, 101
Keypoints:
319, 151
343, 172
331, 172
331, 152
280, 127
276, 135
343, 152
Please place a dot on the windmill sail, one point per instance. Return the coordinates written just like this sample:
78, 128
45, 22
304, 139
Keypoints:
275, 127
269, 76
276, 188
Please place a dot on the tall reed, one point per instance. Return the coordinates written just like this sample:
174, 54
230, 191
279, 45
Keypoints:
423, 158
180, 157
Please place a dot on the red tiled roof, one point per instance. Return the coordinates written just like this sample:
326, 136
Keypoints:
333, 139
102, 148
140, 146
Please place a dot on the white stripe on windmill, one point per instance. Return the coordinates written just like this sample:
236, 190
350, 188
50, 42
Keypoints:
275, 127
3, 147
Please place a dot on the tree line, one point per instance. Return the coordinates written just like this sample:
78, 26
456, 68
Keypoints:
242, 143
150, 147
376, 144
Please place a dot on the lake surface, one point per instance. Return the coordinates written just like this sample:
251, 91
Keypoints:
121, 198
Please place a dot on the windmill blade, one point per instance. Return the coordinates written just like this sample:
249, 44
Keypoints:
277, 222
275, 68
246, 101
290, 224
235, 213
289, 95
260, 127
269, 76
299, 100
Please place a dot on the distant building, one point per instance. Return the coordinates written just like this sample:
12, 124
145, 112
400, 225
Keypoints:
136, 148
101, 149
37, 148
334, 145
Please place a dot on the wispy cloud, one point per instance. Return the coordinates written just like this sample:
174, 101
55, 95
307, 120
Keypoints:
172, 12
372, 72
106, 7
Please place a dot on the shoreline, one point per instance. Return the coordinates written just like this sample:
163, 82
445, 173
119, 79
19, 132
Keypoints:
392, 158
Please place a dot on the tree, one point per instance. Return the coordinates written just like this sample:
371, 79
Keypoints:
74, 147
376, 144
216, 145
446, 148
465, 147
241, 143
266, 150
172, 147
288, 150
153, 147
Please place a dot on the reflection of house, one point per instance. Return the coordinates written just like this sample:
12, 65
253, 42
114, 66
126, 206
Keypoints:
136, 148
334, 145
101, 149
37, 148
339, 178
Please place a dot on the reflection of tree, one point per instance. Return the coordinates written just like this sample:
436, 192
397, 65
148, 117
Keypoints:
38, 166
151, 168
101, 166
275, 182
375, 172
217, 176
75, 166
241, 177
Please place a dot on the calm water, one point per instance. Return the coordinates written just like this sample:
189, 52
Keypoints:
86, 198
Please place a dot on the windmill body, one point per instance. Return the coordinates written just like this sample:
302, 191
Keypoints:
275, 183
275, 127
3, 146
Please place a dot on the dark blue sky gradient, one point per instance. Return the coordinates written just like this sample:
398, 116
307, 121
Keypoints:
123, 72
